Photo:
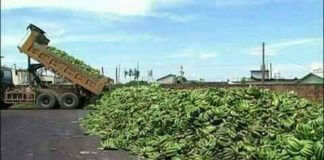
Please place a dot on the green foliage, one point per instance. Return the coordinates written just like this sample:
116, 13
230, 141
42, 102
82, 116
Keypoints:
136, 83
249, 123
80, 64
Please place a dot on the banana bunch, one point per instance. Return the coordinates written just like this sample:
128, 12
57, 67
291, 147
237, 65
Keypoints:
319, 150
297, 147
80, 64
242, 123
305, 148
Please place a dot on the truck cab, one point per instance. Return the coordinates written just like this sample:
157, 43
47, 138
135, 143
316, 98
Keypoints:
6, 82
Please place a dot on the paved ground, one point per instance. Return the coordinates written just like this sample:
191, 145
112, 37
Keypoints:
49, 135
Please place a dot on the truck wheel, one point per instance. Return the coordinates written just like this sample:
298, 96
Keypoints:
69, 100
46, 100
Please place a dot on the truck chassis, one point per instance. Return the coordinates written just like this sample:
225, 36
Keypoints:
85, 86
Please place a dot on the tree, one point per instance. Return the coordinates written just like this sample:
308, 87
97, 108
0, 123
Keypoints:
181, 79
132, 73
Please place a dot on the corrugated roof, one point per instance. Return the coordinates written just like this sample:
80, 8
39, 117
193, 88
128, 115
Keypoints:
166, 76
319, 73
312, 73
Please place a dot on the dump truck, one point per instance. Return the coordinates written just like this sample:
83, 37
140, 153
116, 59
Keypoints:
34, 45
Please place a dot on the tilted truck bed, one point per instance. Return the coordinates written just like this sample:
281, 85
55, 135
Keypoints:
35, 46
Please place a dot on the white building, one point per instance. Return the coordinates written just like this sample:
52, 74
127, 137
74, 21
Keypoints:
257, 74
168, 79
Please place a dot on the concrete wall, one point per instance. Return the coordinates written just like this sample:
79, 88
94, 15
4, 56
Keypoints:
312, 92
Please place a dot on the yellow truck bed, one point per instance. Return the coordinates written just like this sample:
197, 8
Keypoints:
35, 47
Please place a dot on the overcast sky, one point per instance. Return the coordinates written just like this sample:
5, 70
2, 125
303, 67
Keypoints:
211, 39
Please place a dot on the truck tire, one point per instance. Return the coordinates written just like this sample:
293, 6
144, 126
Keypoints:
69, 100
46, 100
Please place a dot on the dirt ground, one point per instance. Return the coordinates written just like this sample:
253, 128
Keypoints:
50, 135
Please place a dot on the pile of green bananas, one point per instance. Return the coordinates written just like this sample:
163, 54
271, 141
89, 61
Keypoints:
80, 64
242, 123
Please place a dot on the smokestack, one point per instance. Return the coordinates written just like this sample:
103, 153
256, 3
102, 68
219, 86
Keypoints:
263, 65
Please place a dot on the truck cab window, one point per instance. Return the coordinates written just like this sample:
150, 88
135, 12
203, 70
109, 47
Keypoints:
6, 74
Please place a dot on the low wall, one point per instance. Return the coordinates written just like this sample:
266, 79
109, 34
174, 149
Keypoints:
312, 92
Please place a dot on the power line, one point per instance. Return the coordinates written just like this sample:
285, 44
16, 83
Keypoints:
293, 62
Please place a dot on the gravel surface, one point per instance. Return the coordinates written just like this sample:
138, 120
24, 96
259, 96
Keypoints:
50, 135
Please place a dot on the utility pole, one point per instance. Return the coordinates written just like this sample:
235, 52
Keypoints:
181, 71
116, 75
1, 73
119, 73
263, 65
1, 60
137, 76
102, 71
150, 76
15, 66
270, 70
